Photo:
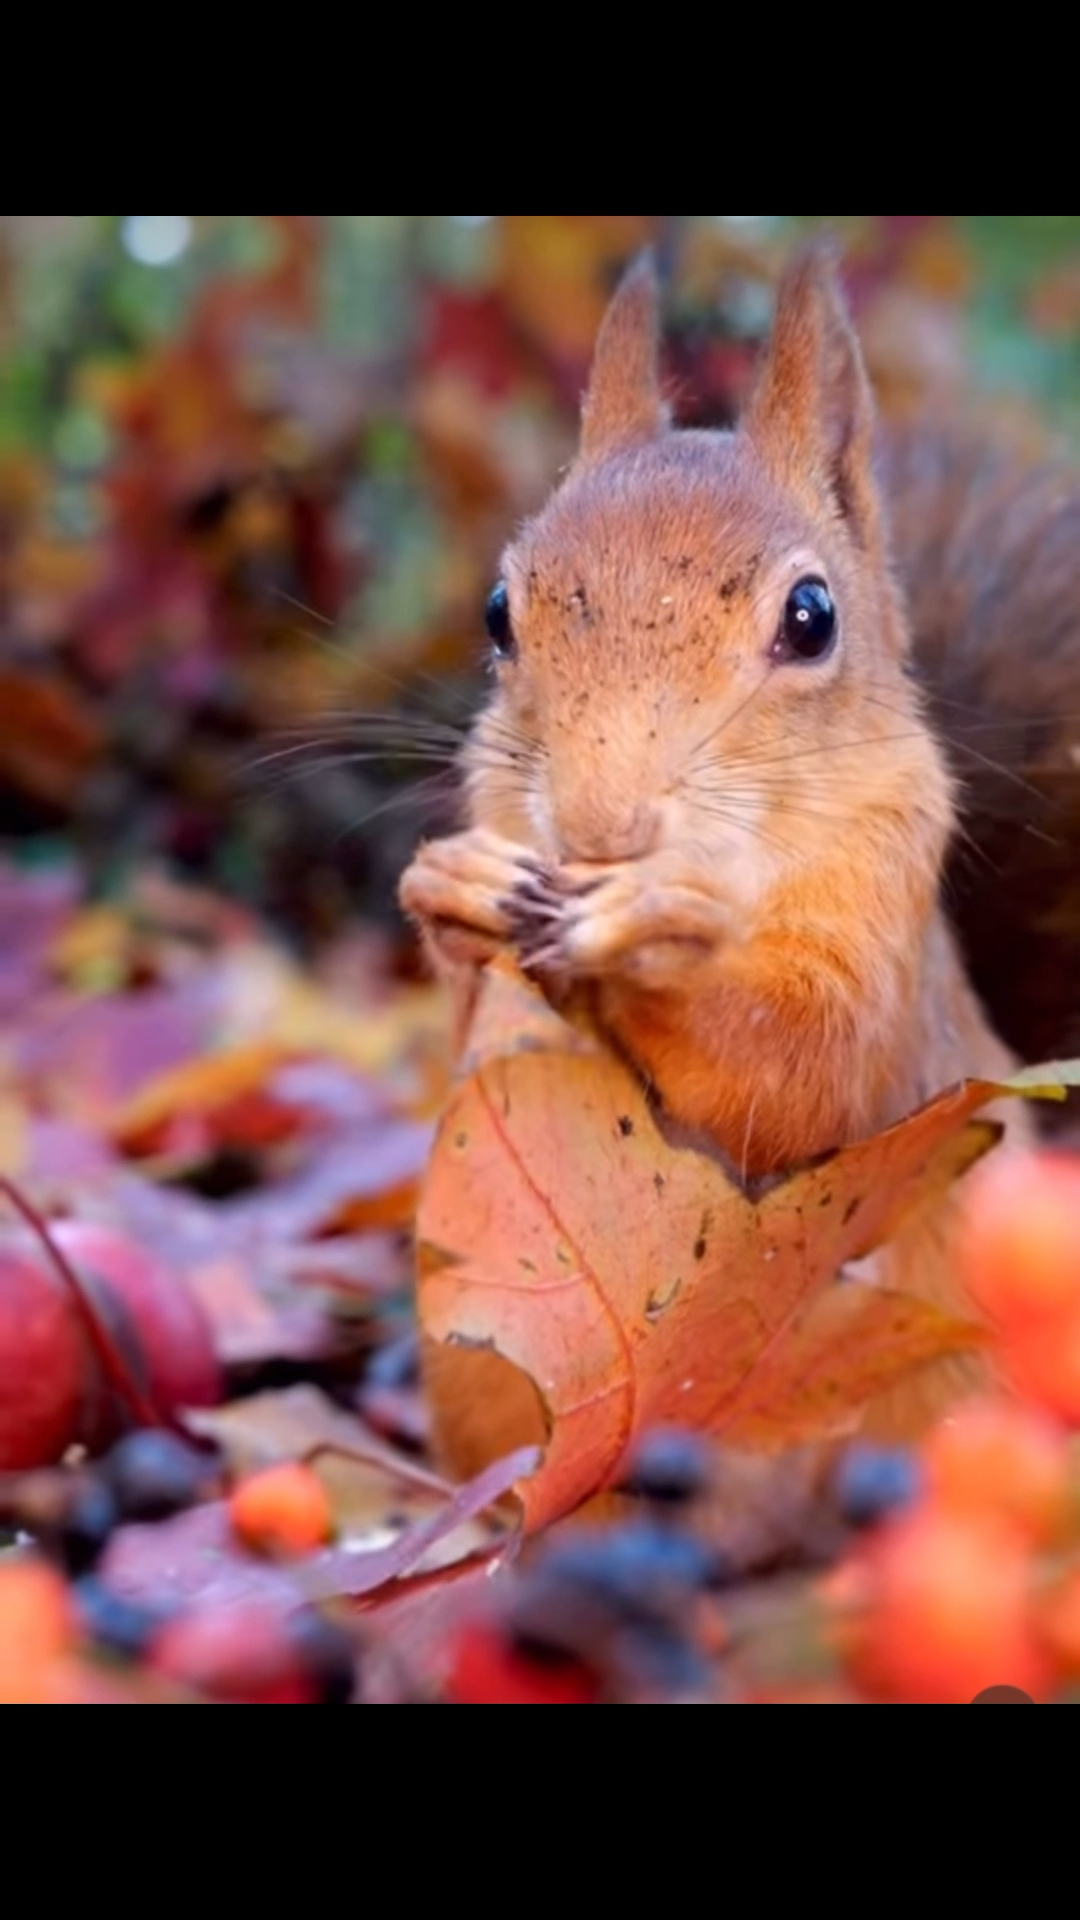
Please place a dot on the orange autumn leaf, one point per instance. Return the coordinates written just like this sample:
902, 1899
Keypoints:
635, 1284
389, 1212
199, 1088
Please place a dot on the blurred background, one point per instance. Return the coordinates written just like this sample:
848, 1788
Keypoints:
256, 469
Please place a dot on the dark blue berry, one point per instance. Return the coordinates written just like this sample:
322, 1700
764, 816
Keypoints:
117, 1626
88, 1523
156, 1475
327, 1656
872, 1483
670, 1469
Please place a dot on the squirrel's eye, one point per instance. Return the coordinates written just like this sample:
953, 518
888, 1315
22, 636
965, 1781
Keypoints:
809, 626
499, 624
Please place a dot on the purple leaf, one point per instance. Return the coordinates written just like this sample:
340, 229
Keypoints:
349, 1576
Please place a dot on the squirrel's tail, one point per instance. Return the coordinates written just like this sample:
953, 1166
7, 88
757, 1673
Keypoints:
988, 547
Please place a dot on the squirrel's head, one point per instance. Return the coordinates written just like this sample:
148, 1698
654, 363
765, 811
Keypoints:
700, 634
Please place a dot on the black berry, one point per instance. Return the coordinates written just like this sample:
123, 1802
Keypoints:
873, 1483
670, 1470
117, 1626
85, 1528
327, 1657
156, 1475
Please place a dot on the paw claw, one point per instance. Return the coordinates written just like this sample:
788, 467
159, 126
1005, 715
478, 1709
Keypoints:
543, 960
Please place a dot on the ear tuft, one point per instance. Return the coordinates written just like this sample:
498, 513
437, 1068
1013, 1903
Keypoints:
624, 404
811, 414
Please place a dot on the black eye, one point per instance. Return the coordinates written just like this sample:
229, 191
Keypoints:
499, 624
809, 628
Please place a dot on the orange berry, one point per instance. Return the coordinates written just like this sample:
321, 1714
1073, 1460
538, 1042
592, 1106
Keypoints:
36, 1631
285, 1511
1043, 1365
995, 1458
950, 1616
1060, 1625
1019, 1242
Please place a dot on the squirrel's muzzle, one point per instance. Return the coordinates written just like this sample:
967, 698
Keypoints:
591, 828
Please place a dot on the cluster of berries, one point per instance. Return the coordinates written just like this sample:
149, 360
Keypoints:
975, 1586
65, 1625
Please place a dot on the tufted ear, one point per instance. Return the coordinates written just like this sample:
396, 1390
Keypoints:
624, 405
811, 414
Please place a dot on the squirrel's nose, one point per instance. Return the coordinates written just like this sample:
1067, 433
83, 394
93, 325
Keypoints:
596, 834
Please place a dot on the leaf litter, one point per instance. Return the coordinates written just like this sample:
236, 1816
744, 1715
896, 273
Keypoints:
267, 1180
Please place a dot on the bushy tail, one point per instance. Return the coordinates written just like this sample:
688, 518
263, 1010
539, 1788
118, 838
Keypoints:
988, 547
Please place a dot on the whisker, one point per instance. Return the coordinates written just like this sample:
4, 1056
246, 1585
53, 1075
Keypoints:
983, 760
318, 749
742, 762
383, 808
754, 830
731, 719
354, 657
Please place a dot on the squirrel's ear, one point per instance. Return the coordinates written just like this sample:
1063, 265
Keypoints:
811, 414
624, 404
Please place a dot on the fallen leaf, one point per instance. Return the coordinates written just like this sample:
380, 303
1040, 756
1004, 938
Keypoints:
636, 1285
300, 1424
341, 1576
395, 1520
198, 1087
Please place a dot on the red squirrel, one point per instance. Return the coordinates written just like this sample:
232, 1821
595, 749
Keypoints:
710, 787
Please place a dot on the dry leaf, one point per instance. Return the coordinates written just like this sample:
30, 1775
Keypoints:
635, 1284
198, 1087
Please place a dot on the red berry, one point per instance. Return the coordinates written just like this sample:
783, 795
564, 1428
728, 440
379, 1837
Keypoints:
43, 1366
153, 1313
285, 1510
948, 1614
489, 1672
241, 1655
1019, 1245
1060, 1626
1043, 1365
993, 1457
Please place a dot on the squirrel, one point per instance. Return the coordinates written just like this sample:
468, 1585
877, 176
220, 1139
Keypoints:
760, 697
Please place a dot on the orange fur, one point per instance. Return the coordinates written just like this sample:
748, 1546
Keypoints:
739, 857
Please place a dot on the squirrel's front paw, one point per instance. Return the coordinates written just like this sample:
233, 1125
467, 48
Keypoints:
461, 891
647, 919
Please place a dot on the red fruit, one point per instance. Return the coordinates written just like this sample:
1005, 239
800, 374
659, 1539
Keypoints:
1060, 1626
949, 1615
1019, 1246
488, 1672
285, 1510
43, 1364
154, 1320
1043, 1365
995, 1458
240, 1655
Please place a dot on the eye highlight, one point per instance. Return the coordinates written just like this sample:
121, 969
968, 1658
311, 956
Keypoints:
500, 626
809, 629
